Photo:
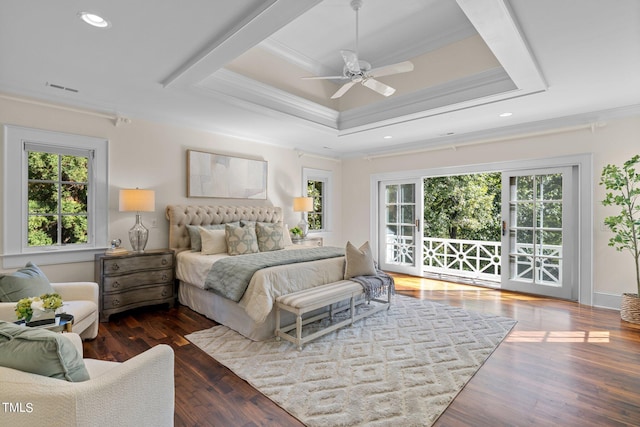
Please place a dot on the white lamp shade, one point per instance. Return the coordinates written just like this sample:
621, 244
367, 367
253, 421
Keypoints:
136, 200
303, 204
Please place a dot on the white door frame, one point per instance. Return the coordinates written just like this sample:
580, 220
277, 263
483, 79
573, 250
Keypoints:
584, 163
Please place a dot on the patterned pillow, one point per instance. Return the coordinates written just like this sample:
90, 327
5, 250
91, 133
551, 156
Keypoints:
194, 233
358, 262
270, 236
241, 240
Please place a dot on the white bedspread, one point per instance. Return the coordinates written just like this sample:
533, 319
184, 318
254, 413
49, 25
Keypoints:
266, 284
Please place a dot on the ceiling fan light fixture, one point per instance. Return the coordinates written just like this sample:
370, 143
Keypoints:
94, 20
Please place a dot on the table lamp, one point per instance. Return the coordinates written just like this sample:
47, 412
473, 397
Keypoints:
136, 200
303, 204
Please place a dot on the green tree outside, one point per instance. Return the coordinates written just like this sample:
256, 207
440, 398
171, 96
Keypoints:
463, 207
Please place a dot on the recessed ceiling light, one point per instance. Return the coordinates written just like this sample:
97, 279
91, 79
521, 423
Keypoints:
505, 114
94, 20
387, 137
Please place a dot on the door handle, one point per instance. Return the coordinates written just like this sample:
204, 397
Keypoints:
417, 223
504, 228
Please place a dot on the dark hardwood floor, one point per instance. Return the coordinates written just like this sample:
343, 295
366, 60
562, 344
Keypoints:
564, 364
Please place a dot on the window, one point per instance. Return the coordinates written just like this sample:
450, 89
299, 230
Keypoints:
315, 218
57, 196
318, 185
56, 186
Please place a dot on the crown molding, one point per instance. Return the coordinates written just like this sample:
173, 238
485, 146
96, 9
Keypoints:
236, 85
429, 101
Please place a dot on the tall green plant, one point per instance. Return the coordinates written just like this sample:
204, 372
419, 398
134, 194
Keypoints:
623, 184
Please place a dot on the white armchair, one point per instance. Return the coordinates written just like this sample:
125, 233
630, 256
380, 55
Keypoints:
80, 300
138, 392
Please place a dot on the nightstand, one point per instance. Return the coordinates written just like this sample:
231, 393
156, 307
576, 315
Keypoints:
134, 280
309, 241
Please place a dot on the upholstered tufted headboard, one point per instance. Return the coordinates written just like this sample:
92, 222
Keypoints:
180, 216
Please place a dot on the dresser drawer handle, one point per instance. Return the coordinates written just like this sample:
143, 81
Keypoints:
116, 285
164, 261
165, 293
165, 277
115, 302
115, 267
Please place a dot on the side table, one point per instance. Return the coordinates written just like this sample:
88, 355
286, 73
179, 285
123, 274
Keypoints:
134, 280
63, 323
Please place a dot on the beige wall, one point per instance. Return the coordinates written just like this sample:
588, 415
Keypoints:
153, 156
614, 143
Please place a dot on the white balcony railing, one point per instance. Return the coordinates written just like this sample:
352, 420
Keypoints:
466, 258
476, 259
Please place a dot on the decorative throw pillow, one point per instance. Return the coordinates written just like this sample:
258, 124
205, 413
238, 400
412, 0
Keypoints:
213, 241
41, 352
27, 282
287, 236
358, 261
194, 233
270, 236
241, 240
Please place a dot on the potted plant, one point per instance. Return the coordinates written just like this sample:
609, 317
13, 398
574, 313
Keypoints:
38, 308
623, 190
296, 233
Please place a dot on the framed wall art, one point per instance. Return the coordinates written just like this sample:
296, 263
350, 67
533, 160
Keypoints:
216, 175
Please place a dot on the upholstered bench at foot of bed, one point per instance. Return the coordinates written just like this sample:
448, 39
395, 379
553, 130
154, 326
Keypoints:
302, 302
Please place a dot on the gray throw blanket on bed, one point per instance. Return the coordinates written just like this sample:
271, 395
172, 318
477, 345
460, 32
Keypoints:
375, 286
230, 277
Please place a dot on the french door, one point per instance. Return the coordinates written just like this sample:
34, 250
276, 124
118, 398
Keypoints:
400, 226
539, 232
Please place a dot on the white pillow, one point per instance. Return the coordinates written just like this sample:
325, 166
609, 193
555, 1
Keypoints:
213, 241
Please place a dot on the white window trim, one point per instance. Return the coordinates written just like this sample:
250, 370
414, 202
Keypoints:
14, 251
327, 178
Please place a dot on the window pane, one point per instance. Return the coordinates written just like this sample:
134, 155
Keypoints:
73, 168
392, 214
74, 229
408, 193
392, 194
408, 214
74, 198
43, 166
43, 198
42, 231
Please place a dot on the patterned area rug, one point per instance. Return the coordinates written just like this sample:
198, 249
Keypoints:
398, 367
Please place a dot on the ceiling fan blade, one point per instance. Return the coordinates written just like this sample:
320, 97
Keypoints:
343, 89
351, 60
324, 78
400, 67
379, 87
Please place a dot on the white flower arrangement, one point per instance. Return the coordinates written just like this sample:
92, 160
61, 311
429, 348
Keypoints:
26, 306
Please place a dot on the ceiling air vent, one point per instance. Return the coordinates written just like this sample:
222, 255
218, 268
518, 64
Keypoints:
69, 89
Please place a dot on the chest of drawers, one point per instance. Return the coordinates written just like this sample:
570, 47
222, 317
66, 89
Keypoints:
134, 280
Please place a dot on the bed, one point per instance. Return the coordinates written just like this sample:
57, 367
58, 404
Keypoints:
253, 315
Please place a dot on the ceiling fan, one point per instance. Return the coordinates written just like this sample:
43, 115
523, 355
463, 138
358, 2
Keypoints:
358, 71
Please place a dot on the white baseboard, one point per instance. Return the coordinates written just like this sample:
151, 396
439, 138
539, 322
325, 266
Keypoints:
605, 300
